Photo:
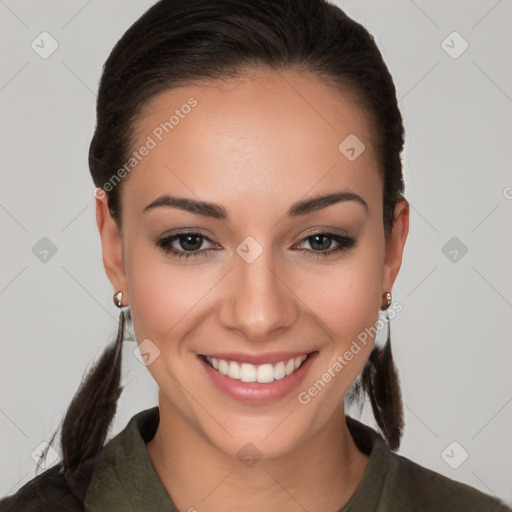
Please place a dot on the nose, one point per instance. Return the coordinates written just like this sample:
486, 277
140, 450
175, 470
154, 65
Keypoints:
258, 300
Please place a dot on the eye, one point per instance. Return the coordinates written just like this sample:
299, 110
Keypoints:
191, 244
323, 241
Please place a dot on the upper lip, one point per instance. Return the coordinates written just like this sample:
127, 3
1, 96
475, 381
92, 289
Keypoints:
257, 359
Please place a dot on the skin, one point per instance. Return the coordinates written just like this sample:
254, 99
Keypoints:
254, 144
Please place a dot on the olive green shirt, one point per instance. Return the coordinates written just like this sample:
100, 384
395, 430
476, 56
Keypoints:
121, 478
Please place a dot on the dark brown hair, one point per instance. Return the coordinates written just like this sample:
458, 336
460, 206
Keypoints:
179, 42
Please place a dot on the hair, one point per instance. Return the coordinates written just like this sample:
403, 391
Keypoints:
180, 42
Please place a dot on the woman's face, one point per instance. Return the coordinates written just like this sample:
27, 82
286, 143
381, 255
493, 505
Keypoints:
258, 291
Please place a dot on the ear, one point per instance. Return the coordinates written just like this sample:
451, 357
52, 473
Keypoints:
395, 244
111, 247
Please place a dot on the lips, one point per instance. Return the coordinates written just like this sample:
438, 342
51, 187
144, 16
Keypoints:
262, 373
257, 378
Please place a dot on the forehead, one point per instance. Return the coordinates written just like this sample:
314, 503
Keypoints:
263, 136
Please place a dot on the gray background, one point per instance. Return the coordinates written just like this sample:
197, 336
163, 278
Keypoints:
451, 341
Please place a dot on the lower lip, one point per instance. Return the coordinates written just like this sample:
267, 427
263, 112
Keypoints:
256, 392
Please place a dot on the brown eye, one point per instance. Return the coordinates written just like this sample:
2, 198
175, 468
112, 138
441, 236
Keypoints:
321, 243
189, 244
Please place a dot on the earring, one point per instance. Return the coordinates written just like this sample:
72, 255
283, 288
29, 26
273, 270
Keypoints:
118, 299
383, 339
387, 298
385, 307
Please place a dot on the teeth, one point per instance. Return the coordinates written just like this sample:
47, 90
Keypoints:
248, 372
263, 373
233, 370
279, 371
223, 367
290, 366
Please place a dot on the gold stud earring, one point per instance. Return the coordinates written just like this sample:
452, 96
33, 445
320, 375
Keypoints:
118, 299
387, 299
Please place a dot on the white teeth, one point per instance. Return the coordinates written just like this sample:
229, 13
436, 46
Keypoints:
279, 371
263, 373
247, 372
233, 370
223, 367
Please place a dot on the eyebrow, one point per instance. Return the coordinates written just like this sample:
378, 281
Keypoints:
217, 211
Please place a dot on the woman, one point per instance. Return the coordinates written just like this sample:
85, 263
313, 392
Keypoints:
252, 219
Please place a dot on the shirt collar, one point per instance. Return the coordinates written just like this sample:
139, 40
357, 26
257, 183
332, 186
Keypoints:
375, 487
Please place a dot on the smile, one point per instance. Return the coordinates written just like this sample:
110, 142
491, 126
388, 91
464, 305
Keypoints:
263, 373
257, 378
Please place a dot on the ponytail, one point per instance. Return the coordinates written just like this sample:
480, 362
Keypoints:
88, 417
379, 380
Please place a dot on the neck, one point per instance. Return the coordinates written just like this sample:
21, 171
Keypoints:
320, 474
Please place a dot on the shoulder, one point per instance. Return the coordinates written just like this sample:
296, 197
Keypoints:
57, 491
51, 490
419, 488
394, 482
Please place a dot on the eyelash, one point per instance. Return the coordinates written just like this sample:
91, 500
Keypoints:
346, 242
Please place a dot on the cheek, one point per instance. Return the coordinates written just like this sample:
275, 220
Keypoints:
166, 299
347, 297
160, 293
346, 300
